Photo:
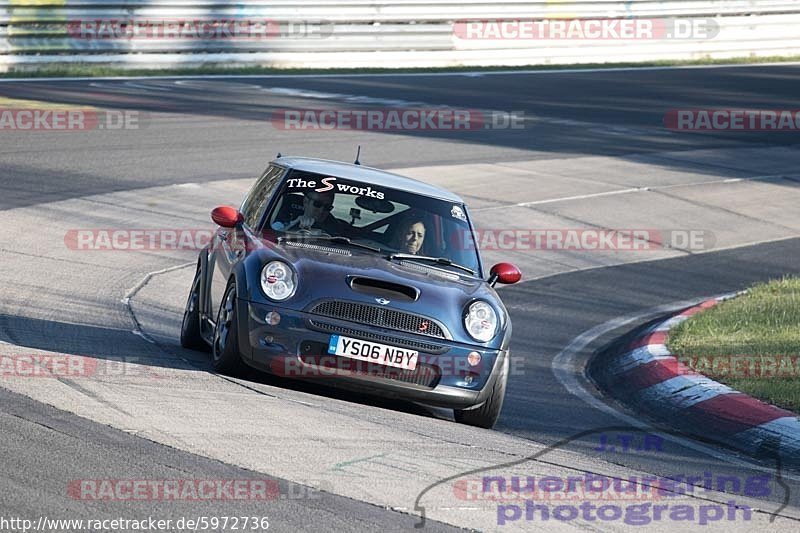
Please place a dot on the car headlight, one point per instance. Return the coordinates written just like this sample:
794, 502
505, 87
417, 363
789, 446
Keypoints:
278, 280
481, 321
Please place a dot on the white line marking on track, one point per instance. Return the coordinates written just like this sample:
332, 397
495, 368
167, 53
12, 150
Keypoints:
200, 84
353, 98
630, 190
466, 73
126, 300
597, 267
563, 367
118, 88
565, 198
147, 87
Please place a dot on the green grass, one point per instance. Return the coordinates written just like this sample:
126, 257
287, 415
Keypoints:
730, 340
106, 71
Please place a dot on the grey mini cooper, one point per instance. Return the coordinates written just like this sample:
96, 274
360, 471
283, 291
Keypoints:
357, 277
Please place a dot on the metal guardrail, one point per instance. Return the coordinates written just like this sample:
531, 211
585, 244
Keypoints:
360, 33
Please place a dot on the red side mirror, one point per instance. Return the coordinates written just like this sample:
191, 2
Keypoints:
226, 216
504, 273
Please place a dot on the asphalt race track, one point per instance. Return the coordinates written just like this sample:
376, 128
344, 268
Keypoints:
593, 153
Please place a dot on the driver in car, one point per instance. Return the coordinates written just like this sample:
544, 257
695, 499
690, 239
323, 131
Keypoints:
316, 215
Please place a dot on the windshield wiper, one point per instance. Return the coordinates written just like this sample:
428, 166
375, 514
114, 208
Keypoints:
438, 260
337, 239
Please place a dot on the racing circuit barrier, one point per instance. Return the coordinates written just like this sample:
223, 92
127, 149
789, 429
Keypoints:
369, 33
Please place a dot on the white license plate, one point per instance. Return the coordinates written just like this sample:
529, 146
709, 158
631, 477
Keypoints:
373, 352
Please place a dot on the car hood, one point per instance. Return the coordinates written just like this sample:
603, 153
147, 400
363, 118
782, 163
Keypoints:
347, 274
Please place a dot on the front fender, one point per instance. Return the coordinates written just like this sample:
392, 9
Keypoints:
243, 287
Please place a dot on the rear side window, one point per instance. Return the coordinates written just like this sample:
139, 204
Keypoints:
257, 199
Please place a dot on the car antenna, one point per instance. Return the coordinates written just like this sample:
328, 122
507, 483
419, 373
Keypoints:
358, 154
278, 156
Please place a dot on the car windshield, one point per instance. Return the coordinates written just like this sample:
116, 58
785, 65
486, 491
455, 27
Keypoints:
387, 220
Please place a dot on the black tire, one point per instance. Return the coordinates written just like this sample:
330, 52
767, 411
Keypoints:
191, 337
487, 414
226, 358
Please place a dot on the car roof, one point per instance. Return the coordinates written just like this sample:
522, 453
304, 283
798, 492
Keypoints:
367, 175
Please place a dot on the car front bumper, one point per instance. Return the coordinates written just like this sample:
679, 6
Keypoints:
296, 347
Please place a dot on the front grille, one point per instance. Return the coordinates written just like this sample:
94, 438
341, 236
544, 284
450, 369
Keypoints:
374, 315
426, 347
423, 375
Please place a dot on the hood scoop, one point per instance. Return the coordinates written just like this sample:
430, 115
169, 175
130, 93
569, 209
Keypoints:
383, 289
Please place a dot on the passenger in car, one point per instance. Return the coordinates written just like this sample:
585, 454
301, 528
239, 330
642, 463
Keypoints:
411, 236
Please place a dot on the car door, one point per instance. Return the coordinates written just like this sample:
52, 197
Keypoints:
231, 245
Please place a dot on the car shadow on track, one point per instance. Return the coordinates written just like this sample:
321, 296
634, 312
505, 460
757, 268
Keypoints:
115, 353
318, 389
